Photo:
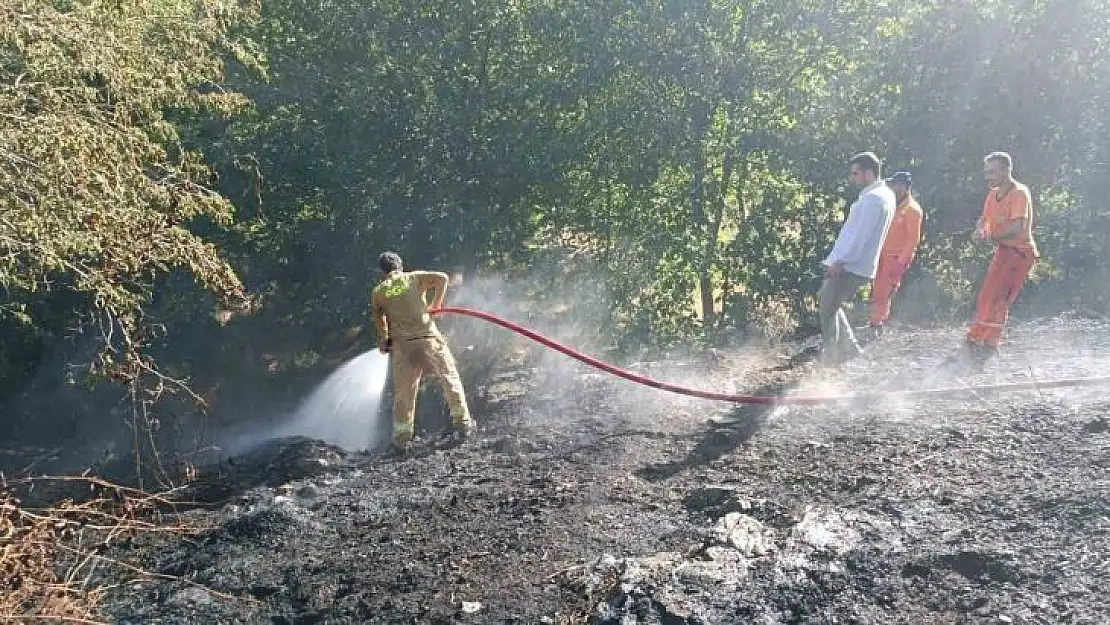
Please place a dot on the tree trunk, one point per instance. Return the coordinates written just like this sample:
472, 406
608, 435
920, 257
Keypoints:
726, 183
699, 125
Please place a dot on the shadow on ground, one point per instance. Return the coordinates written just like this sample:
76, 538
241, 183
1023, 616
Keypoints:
721, 436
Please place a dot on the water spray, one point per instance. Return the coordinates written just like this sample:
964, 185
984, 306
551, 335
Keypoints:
341, 410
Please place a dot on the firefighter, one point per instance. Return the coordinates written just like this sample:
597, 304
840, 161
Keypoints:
407, 331
902, 239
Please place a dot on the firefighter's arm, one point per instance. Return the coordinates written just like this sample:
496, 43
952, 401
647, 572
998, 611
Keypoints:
377, 312
433, 281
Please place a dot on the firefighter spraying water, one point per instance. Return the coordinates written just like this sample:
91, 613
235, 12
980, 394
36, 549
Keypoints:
407, 332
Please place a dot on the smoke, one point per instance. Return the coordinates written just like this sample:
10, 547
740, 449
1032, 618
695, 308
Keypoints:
568, 302
910, 359
553, 390
344, 409
573, 308
567, 308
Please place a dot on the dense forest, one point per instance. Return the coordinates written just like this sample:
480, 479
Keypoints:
195, 192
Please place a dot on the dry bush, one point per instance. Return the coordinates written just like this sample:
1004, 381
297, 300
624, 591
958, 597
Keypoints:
53, 562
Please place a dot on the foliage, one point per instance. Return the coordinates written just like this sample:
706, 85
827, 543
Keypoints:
98, 192
671, 171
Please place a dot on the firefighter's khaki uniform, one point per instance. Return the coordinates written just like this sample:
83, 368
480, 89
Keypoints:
1014, 258
899, 249
417, 348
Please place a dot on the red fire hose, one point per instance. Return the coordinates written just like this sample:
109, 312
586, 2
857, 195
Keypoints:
758, 399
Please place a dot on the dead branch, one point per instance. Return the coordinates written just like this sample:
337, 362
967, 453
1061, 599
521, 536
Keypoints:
152, 575
53, 561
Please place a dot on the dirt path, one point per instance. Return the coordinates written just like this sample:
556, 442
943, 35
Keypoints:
589, 499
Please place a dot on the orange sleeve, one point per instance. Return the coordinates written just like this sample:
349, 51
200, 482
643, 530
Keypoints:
912, 236
1019, 206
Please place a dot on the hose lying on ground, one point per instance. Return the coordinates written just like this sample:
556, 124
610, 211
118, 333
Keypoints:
762, 399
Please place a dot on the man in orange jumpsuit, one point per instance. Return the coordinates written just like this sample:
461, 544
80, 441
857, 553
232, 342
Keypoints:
407, 330
901, 243
1007, 223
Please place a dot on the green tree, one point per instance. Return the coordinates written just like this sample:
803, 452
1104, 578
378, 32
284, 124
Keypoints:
98, 194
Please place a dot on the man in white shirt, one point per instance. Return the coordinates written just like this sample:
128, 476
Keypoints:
855, 255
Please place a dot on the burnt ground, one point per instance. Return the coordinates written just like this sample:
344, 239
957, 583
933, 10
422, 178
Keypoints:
587, 499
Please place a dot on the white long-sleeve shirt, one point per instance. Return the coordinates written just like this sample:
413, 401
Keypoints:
863, 233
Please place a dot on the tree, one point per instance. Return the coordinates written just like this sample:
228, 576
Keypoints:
98, 194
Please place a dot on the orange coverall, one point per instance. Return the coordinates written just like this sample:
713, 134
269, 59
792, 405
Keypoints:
1014, 257
901, 243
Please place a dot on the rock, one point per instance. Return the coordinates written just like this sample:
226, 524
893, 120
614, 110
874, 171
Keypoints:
471, 607
307, 491
716, 500
745, 534
825, 530
190, 597
1098, 425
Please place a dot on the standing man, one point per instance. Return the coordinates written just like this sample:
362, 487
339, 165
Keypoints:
898, 251
407, 330
1006, 223
855, 256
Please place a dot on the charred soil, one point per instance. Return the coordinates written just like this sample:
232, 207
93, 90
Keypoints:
586, 499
